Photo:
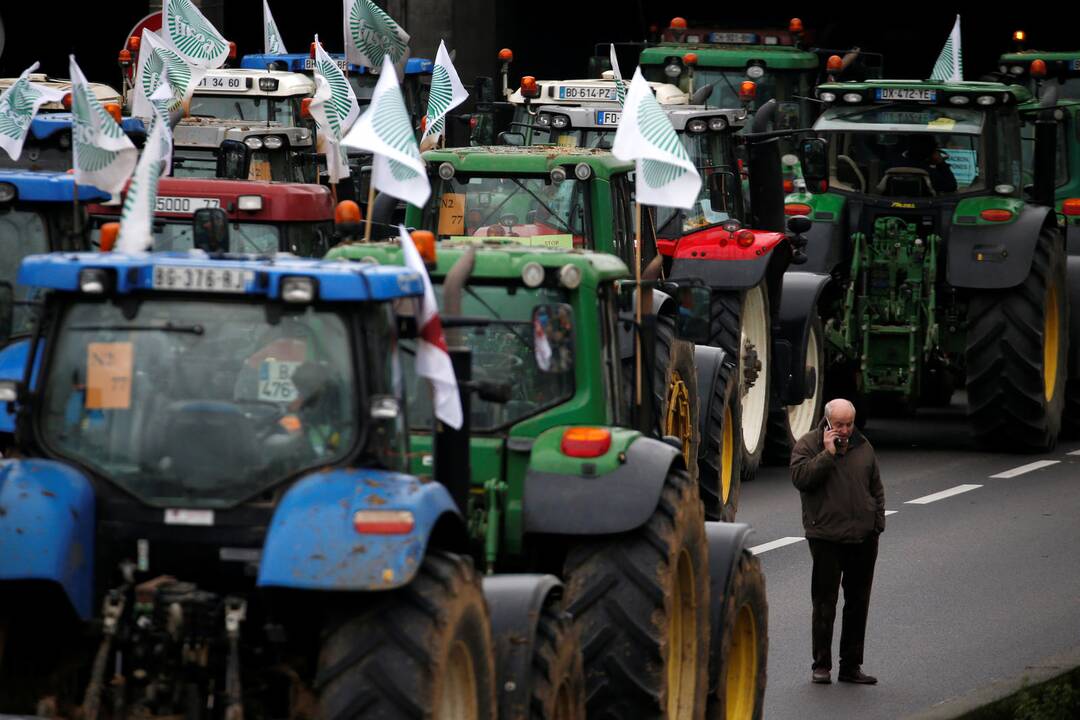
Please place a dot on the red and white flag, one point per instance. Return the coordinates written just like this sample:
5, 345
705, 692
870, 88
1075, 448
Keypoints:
432, 355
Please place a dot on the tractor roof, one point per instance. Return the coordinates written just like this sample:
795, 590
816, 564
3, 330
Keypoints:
587, 116
929, 92
46, 125
280, 202
303, 62
103, 92
334, 281
776, 57
1026, 56
536, 159
495, 260
42, 186
264, 83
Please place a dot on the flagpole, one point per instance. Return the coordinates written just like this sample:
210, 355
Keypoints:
640, 295
370, 203
74, 205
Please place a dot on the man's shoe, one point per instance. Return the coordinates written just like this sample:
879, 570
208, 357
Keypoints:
857, 676
822, 676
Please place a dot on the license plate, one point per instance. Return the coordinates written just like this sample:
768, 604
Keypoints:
201, 279
607, 117
184, 205
732, 38
182, 516
906, 94
587, 93
309, 64
215, 82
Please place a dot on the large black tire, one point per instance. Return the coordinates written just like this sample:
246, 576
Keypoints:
720, 467
675, 391
411, 652
1017, 346
744, 646
791, 422
558, 668
639, 596
728, 330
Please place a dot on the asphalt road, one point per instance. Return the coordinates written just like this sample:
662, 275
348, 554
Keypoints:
969, 588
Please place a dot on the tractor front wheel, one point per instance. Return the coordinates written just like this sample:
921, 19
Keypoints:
744, 646
675, 391
720, 468
791, 422
558, 668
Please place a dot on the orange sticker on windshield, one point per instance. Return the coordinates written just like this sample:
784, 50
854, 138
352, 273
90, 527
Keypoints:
452, 214
108, 376
260, 170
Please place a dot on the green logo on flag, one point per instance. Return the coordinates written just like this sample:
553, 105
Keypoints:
84, 131
391, 125
178, 70
657, 131
17, 108
339, 105
191, 33
439, 99
375, 33
275, 40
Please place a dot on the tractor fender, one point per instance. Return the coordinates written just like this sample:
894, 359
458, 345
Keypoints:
12, 367
662, 304
727, 542
311, 543
826, 246
709, 360
798, 308
516, 604
47, 516
1006, 251
727, 274
1072, 276
617, 501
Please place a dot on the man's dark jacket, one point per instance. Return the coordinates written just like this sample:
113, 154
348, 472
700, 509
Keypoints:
842, 496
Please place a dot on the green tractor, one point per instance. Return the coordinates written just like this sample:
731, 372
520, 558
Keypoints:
564, 478
948, 271
582, 199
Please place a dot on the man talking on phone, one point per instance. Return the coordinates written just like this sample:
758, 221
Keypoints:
843, 512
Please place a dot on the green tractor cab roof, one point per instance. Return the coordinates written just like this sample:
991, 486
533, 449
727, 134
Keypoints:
776, 57
923, 92
497, 260
1024, 57
532, 159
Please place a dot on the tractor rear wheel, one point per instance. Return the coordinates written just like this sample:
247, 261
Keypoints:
641, 600
422, 650
558, 668
1017, 349
741, 326
675, 391
744, 646
720, 475
791, 422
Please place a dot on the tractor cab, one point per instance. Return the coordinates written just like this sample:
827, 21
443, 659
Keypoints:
242, 150
264, 218
1062, 67
48, 144
105, 94
253, 96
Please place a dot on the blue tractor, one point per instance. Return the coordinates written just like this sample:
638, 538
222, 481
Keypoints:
210, 512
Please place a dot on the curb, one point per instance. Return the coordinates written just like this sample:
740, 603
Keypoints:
979, 702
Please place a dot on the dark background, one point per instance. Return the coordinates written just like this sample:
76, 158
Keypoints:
550, 39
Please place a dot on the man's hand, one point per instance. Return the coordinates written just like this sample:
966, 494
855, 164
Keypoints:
830, 440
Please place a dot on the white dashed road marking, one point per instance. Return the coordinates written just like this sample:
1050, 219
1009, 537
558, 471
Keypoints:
782, 542
1075, 452
1037, 465
927, 499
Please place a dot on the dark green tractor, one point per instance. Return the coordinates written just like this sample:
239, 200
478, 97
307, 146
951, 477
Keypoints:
949, 272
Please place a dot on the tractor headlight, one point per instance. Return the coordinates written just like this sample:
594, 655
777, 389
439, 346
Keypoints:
570, 276
297, 289
697, 125
253, 142
446, 171
93, 280
673, 70
273, 142
718, 123
532, 274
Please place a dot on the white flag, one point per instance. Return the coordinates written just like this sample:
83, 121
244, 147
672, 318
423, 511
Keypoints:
950, 63
192, 35
137, 216
386, 131
665, 174
371, 34
620, 85
162, 99
327, 144
18, 106
432, 356
272, 43
155, 55
341, 109
103, 155
447, 92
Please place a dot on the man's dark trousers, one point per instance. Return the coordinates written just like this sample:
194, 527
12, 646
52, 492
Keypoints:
850, 565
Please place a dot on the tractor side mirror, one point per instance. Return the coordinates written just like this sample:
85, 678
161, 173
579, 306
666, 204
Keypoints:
553, 337
7, 310
814, 157
722, 184
233, 160
693, 307
797, 225
210, 230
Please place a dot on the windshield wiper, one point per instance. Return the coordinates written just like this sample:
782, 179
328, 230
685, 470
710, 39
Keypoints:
551, 213
167, 327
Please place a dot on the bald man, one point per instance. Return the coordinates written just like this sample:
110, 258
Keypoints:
843, 512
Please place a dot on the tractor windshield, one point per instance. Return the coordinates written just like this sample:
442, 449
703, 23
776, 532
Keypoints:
711, 153
905, 151
251, 109
534, 209
197, 403
177, 236
22, 233
502, 352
